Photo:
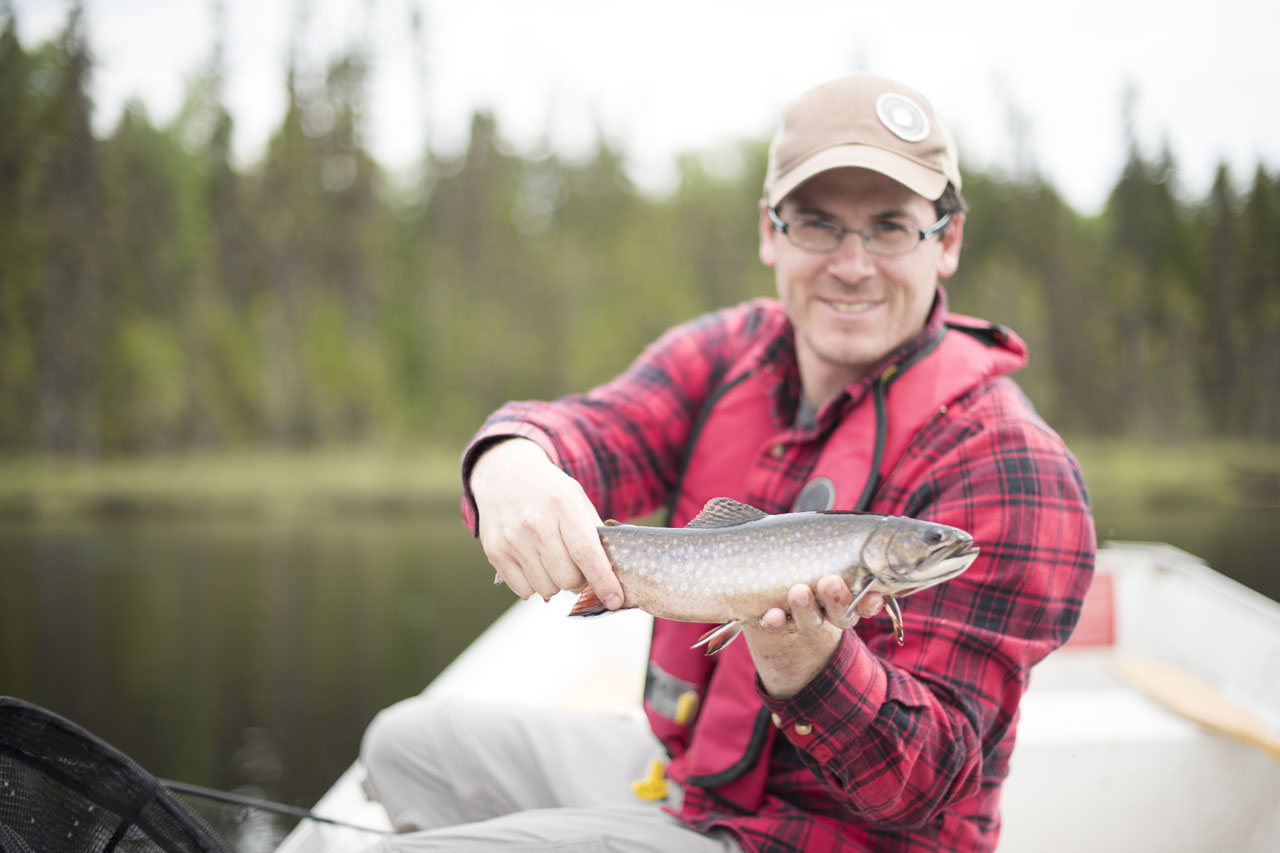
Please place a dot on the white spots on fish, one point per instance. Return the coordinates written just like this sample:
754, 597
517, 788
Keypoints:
707, 569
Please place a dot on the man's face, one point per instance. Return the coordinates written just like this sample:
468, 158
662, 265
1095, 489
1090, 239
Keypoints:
851, 308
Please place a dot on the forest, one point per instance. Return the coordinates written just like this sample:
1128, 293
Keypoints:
156, 297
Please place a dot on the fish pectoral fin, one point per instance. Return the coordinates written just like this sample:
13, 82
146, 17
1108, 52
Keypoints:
895, 615
852, 609
720, 636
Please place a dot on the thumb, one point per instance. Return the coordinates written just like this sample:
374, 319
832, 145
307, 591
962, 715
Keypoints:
587, 552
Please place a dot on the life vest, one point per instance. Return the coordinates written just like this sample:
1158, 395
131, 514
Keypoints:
705, 708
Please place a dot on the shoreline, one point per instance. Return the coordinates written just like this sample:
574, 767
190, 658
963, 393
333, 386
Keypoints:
251, 485
1122, 475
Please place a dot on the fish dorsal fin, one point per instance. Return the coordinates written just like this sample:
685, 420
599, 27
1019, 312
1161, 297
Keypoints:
847, 512
726, 512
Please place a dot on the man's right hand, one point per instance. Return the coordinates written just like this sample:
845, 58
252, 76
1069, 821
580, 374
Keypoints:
537, 526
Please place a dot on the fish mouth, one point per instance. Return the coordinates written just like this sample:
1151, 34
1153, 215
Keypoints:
954, 560
948, 561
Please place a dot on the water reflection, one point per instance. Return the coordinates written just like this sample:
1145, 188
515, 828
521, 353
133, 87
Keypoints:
1240, 543
235, 655
249, 657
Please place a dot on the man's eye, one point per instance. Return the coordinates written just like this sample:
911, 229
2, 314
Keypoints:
819, 225
886, 228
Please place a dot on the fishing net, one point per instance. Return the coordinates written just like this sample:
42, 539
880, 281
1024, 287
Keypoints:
62, 790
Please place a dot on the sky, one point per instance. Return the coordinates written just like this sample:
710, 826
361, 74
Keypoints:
1023, 84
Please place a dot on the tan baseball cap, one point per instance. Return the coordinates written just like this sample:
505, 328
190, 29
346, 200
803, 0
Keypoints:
862, 120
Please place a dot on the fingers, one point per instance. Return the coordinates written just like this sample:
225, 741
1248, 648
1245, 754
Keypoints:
871, 604
537, 526
586, 555
809, 607
527, 563
775, 621
803, 613
806, 612
836, 598
533, 557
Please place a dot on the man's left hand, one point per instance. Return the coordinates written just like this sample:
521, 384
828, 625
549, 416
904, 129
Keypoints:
788, 653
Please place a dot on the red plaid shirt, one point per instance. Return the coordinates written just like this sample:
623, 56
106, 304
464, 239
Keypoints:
909, 745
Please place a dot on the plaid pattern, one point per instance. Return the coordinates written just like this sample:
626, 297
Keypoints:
908, 745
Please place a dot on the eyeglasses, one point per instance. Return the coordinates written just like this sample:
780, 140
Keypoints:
879, 238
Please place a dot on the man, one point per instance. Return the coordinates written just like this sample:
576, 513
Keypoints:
854, 390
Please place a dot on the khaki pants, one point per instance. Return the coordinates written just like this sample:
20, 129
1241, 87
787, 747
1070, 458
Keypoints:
459, 775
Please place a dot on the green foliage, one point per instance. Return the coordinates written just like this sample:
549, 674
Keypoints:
155, 297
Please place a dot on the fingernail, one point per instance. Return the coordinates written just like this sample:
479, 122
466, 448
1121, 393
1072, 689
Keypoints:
612, 601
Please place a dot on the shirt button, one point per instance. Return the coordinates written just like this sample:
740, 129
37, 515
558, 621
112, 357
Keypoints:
778, 450
777, 720
803, 729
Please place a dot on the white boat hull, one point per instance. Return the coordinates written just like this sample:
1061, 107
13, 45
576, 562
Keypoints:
1100, 765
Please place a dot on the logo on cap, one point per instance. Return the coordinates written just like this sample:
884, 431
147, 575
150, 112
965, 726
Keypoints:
903, 116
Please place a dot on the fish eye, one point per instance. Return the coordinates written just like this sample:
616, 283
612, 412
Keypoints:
934, 536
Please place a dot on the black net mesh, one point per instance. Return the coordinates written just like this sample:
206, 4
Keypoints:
62, 790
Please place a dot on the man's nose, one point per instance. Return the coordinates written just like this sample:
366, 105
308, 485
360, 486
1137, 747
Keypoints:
851, 260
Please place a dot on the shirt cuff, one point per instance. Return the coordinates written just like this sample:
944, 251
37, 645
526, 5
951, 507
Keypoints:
836, 706
486, 439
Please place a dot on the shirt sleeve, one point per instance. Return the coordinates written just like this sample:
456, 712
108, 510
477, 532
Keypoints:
624, 441
896, 734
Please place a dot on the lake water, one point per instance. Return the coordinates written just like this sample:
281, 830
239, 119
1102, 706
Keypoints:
237, 655
248, 656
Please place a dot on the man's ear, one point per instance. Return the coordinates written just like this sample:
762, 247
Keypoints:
951, 238
768, 248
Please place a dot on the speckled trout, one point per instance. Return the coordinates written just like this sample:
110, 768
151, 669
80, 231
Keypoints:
733, 562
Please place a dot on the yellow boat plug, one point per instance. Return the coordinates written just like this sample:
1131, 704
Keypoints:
654, 785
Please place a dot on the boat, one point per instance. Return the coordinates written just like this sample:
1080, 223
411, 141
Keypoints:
1156, 727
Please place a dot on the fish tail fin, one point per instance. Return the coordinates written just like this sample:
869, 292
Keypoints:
720, 636
589, 604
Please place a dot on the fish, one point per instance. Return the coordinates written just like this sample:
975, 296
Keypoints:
733, 562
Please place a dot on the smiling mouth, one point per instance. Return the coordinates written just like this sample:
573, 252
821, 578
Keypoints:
850, 308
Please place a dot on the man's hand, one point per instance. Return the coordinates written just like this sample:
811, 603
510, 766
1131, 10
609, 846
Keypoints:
789, 653
537, 526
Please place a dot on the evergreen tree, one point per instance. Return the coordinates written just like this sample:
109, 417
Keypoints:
20, 221
1219, 307
1259, 316
153, 295
68, 336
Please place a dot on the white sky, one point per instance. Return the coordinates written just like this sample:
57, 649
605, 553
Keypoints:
664, 76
